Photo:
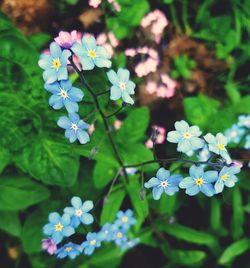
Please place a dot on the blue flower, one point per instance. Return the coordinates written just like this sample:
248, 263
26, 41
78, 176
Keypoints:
247, 144
64, 95
244, 121
199, 181
226, 177
58, 227
217, 145
107, 231
79, 211
204, 154
130, 244
55, 64
93, 242
122, 86
119, 237
69, 250
234, 134
125, 219
74, 128
90, 54
186, 137
163, 183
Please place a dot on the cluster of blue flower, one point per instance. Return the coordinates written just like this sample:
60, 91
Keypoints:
188, 140
65, 225
56, 77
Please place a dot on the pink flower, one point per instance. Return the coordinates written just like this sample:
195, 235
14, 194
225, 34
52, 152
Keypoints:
113, 40
91, 129
151, 87
237, 163
66, 39
149, 144
170, 83
101, 39
94, 3
130, 52
161, 137
115, 5
49, 246
117, 124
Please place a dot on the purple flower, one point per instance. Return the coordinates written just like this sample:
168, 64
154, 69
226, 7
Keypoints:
66, 39
49, 246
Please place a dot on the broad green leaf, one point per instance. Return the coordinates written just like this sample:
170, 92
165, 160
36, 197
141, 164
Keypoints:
199, 109
19, 193
134, 126
235, 249
112, 204
188, 234
4, 159
243, 106
10, 223
187, 257
52, 162
167, 204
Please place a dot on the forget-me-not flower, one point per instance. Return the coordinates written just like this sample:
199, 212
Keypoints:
227, 178
64, 95
247, 143
163, 182
199, 180
186, 137
204, 154
93, 242
122, 86
125, 219
244, 121
70, 250
119, 237
217, 144
79, 211
58, 227
74, 128
90, 54
55, 64
130, 244
234, 134
107, 231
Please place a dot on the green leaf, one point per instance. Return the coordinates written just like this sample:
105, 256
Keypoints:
234, 250
10, 223
187, 257
112, 204
4, 159
19, 193
199, 109
52, 162
189, 235
243, 106
134, 126
238, 214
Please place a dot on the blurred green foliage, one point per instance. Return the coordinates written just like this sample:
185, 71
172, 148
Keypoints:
40, 170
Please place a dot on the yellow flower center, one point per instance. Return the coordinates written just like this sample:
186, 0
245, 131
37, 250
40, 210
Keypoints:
58, 227
68, 249
91, 54
56, 64
78, 212
74, 126
187, 135
221, 146
199, 181
125, 219
224, 177
119, 235
122, 85
64, 94
164, 184
92, 242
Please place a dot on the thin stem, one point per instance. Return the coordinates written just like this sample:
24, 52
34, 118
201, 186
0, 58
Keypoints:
114, 113
102, 93
105, 122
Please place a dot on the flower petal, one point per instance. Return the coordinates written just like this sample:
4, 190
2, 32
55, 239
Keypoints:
152, 183
64, 122
55, 50
196, 172
113, 78
56, 102
186, 183
157, 192
181, 126
115, 93
71, 106
87, 206
207, 189
174, 136
87, 218
54, 217
162, 174
76, 202
126, 98
210, 176
219, 186
83, 136
192, 190
68, 231
123, 75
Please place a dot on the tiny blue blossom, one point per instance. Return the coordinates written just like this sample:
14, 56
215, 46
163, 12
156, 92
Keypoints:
163, 182
217, 144
107, 232
204, 154
64, 95
93, 242
247, 143
199, 181
186, 137
79, 212
226, 178
90, 54
119, 237
58, 227
234, 134
55, 64
125, 219
74, 128
244, 121
122, 86
69, 250
130, 244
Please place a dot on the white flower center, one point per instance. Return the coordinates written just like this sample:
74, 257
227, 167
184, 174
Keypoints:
122, 85
63, 93
187, 135
233, 134
78, 212
74, 126
164, 184
92, 242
